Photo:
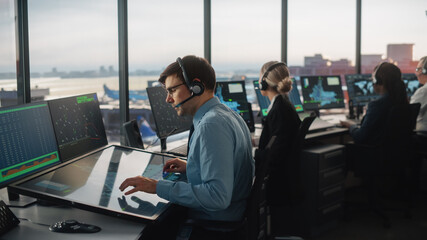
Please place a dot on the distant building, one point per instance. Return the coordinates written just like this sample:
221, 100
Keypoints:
400, 53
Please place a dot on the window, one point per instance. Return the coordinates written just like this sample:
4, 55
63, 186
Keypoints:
321, 37
8, 84
396, 35
159, 32
74, 50
245, 35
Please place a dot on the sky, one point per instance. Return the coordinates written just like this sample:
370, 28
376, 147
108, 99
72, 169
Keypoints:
82, 34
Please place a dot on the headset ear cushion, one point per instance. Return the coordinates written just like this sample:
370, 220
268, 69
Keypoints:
197, 87
264, 85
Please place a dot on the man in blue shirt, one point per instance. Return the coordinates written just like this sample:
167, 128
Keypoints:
219, 167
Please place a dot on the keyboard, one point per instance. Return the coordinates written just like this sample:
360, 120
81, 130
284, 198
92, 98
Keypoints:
179, 151
7, 219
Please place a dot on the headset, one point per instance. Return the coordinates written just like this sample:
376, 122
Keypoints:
196, 87
263, 82
375, 79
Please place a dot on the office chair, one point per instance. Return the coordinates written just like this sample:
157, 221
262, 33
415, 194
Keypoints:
387, 167
288, 225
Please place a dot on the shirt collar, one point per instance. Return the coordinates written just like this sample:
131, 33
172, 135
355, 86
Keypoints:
272, 102
203, 109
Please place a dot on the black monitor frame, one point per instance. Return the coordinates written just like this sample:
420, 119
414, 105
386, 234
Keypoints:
83, 113
313, 104
40, 135
360, 98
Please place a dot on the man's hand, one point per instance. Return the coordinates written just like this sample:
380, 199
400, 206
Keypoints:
139, 183
175, 165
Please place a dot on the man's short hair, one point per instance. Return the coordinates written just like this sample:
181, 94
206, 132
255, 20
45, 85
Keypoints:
195, 67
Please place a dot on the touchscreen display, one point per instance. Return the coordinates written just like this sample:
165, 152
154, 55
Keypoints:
95, 179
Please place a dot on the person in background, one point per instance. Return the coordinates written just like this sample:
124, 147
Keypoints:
283, 122
219, 167
420, 96
387, 82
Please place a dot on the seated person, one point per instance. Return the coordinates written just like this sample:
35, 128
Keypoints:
420, 96
283, 122
219, 166
387, 81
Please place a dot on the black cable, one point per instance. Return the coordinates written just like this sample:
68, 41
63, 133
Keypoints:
29, 220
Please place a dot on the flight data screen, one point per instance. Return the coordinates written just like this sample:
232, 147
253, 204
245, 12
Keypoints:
78, 125
27, 141
322, 92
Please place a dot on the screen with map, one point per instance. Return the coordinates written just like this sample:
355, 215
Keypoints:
233, 94
322, 92
411, 83
93, 181
360, 89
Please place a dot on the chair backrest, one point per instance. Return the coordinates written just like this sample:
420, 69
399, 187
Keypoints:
256, 210
132, 134
396, 143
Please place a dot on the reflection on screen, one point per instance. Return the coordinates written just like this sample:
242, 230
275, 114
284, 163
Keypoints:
233, 94
165, 116
78, 125
360, 89
322, 92
411, 83
95, 179
27, 141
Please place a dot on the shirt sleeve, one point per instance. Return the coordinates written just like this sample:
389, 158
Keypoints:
214, 147
369, 123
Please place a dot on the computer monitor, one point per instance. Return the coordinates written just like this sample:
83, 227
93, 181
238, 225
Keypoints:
264, 102
360, 89
322, 92
78, 125
233, 94
27, 141
92, 183
165, 116
411, 83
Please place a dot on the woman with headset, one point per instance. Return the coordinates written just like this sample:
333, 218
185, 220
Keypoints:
387, 82
283, 122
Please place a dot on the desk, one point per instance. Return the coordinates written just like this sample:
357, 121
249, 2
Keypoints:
335, 135
112, 227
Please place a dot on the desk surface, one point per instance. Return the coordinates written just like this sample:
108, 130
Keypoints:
112, 227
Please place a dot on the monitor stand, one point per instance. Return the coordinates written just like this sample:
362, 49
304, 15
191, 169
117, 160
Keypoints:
163, 145
15, 200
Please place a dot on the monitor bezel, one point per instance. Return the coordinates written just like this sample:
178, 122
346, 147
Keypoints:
105, 140
8, 183
341, 105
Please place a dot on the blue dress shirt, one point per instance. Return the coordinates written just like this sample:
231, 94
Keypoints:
220, 167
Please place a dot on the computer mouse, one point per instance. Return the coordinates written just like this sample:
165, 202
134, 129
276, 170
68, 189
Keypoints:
72, 226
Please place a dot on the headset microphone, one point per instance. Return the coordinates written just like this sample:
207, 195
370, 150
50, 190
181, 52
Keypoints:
179, 104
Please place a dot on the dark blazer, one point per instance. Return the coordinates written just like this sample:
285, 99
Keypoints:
372, 125
283, 122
